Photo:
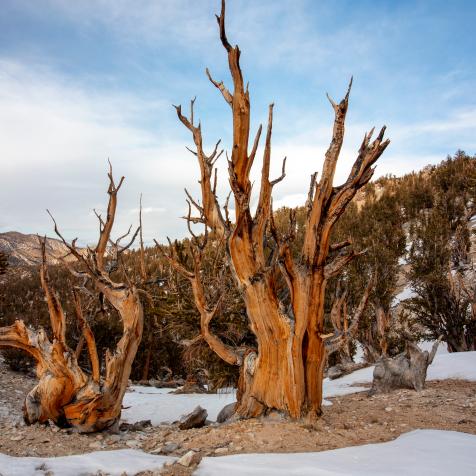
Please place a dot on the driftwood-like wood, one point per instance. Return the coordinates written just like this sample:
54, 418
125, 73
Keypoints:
65, 393
406, 370
285, 371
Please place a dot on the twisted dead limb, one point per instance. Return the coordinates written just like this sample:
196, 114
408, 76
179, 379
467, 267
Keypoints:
65, 394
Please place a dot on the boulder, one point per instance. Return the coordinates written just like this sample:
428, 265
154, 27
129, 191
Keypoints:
195, 419
226, 412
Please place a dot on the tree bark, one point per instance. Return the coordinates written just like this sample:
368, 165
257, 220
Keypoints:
65, 394
285, 372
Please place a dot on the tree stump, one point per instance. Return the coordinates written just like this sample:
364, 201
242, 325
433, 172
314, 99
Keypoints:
406, 370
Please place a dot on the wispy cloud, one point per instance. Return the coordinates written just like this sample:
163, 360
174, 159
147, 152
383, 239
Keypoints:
91, 80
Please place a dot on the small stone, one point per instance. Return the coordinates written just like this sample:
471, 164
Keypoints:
169, 448
388, 409
95, 445
221, 451
113, 439
189, 458
132, 443
16, 438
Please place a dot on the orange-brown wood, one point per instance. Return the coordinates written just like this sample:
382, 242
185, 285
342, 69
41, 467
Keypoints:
65, 394
285, 371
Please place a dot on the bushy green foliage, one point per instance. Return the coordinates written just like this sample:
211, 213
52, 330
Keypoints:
441, 273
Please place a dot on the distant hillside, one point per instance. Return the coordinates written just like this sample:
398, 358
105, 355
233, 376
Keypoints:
24, 250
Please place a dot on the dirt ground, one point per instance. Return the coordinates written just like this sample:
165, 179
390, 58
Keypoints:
351, 420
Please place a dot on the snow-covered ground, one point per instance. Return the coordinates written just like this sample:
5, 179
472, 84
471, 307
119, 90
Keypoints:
160, 405
420, 452
113, 463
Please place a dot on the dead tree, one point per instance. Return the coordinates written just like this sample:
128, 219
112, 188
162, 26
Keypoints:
65, 393
286, 370
406, 370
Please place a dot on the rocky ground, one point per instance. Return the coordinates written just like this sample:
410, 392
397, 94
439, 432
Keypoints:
351, 420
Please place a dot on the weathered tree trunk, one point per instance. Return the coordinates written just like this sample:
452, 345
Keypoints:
285, 371
65, 394
406, 370
383, 323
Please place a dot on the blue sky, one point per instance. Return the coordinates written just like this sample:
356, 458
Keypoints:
86, 80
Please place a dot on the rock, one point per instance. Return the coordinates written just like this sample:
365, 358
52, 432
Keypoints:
195, 419
17, 438
96, 445
388, 409
169, 448
132, 443
221, 451
226, 412
189, 458
138, 426
114, 438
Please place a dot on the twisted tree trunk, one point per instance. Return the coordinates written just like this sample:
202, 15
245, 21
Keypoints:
285, 371
65, 394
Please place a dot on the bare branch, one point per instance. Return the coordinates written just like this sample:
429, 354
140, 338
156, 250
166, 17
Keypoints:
219, 85
88, 336
57, 317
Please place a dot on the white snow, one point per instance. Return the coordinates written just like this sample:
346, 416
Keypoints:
113, 463
420, 452
457, 365
160, 405
428, 344
348, 383
405, 293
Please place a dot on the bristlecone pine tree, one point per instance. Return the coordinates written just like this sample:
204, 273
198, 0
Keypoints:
66, 394
285, 371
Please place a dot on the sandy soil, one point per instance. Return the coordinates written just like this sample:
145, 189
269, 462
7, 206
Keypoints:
351, 420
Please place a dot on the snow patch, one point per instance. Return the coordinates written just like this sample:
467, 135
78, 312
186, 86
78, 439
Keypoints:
113, 463
434, 452
160, 405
